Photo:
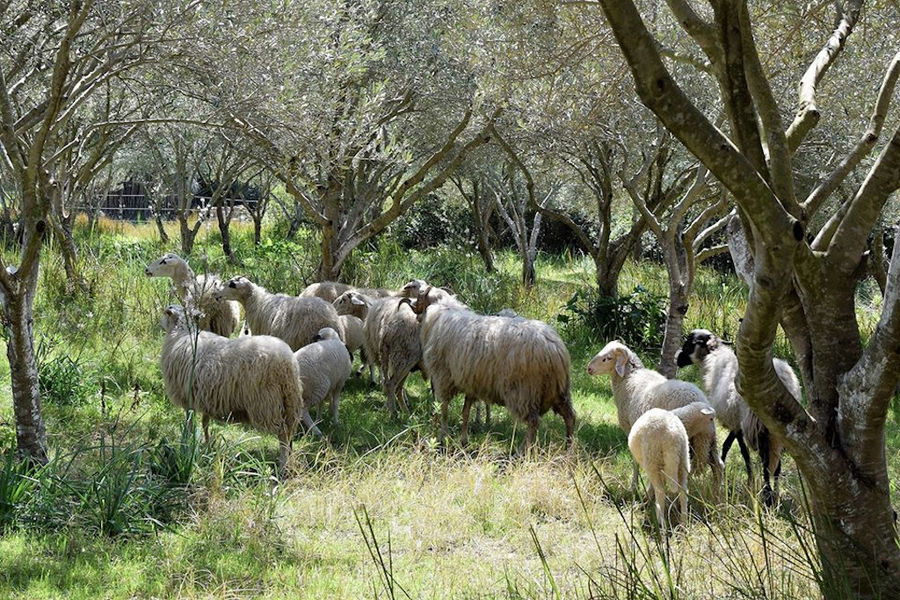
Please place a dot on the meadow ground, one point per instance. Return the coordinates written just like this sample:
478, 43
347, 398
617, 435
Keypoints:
132, 504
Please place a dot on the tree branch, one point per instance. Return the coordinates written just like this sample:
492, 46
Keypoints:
807, 111
876, 121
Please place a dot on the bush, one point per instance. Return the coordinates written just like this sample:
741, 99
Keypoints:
637, 319
63, 379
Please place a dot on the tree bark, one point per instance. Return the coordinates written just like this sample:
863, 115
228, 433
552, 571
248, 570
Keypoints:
225, 230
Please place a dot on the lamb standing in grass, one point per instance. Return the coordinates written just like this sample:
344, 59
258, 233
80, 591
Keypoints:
637, 389
324, 367
295, 320
197, 292
249, 379
659, 443
719, 367
699, 420
519, 363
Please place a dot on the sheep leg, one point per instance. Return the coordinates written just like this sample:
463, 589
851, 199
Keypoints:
683, 483
716, 465
777, 476
285, 442
477, 414
335, 400
310, 424
532, 423
445, 405
206, 428
745, 453
464, 434
568, 416
487, 414
726, 445
656, 495
764, 455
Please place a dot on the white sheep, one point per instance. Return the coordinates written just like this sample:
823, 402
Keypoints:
659, 443
637, 389
426, 294
326, 290
324, 367
392, 341
196, 292
249, 379
295, 320
354, 304
519, 363
699, 419
354, 337
719, 368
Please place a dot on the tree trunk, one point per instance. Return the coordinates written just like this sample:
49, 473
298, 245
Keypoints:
188, 233
163, 236
678, 306
483, 242
225, 230
257, 230
31, 435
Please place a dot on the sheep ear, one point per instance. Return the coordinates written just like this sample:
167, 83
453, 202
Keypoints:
707, 411
621, 361
357, 301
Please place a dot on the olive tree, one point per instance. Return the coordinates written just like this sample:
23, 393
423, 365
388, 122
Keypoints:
803, 278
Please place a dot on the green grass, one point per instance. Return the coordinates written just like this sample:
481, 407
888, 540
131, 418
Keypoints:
132, 506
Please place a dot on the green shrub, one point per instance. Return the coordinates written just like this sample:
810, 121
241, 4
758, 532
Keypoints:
63, 379
637, 319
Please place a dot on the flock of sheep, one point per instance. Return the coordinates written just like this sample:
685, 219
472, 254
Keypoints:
296, 352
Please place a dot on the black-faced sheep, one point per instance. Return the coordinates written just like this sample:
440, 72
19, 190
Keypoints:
295, 320
719, 368
659, 444
521, 364
637, 389
249, 379
197, 292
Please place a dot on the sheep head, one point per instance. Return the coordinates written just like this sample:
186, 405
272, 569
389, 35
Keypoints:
698, 344
171, 317
614, 358
414, 288
326, 333
237, 288
169, 265
344, 303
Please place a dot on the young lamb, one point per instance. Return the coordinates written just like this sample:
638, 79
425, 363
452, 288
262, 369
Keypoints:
196, 291
324, 368
295, 320
519, 363
637, 389
249, 379
699, 419
326, 290
659, 443
719, 368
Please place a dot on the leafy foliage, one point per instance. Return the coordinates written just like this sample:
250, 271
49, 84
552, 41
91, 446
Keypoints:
636, 319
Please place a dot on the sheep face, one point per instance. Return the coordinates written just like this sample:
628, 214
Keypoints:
172, 316
614, 358
414, 288
698, 344
236, 288
165, 266
326, 333
343, 303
